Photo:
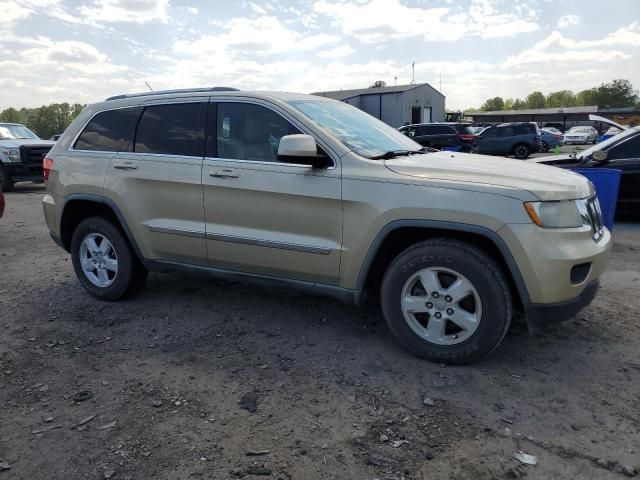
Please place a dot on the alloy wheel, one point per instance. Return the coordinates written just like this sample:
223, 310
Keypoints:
441, 306
98, 260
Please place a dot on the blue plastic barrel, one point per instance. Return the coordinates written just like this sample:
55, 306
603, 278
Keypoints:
607, 183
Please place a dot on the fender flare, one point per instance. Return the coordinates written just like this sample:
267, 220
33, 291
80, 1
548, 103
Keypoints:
489, 234
114, 208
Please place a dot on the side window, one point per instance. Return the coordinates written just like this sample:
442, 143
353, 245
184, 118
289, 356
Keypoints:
250, 132
490, 133
110, 131
505, 132
627, 149
174, 129
424, 130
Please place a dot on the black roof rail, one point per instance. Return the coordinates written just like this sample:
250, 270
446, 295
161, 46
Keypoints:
180, 90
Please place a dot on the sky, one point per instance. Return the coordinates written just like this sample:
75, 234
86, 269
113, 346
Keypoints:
84, 51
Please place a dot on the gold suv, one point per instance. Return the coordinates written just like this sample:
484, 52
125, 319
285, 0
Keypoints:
312, 193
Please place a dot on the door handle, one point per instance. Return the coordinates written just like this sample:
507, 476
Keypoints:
125, 165
225, 173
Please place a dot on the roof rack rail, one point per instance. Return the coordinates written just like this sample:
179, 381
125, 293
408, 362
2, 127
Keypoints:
180, 90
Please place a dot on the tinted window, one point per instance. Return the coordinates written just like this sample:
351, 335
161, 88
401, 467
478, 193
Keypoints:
627, 149
425, 130
490, 133
505, 132
110, 131
463, 129
523, 129
176, 129
250, 132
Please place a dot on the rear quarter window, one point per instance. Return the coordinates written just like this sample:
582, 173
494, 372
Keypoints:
109, 131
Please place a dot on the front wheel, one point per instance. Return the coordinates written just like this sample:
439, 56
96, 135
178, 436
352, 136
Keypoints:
521, 151
104, 262
447, 301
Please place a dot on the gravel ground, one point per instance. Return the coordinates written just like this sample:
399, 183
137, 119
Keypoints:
198, 378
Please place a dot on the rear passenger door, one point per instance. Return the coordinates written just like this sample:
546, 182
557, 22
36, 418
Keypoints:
625, 156
264, 216
157, 181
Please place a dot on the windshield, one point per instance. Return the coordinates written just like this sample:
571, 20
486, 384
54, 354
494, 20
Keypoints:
359, 131
13, 132
604, 145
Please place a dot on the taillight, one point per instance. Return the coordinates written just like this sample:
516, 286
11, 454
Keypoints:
47, 164
467, 137
558, 137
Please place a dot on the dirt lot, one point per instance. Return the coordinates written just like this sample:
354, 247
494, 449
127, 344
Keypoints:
326, 391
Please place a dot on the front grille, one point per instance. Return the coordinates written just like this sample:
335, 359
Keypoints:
33, 154
595, 218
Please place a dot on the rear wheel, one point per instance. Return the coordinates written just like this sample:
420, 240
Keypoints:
6, 184
103, 260
521, 151
446, 301
544, 146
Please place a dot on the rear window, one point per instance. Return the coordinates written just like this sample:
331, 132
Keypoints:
110, 131
174, 129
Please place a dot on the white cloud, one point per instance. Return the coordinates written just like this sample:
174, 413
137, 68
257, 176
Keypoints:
337, 52
255, 36
381, 20
139, 11
568, 20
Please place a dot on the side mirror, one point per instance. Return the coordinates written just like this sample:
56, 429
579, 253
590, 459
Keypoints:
302, 149
600, 156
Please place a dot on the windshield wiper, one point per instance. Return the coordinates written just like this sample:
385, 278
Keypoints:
395, 153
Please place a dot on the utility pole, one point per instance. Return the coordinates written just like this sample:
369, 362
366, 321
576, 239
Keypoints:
440, 82
413, 73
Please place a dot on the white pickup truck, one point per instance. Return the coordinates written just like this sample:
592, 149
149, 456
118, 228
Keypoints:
21, 153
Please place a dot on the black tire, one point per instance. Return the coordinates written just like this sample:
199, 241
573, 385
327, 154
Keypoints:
521, 151
544, 146
6, 184
484, 274
131, 274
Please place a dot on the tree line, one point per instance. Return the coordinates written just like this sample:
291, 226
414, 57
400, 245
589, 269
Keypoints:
45, 121
616, 94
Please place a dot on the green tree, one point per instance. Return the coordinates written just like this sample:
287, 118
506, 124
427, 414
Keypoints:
508, 104
519, 104
47, 120
562, 98
10, 115
493, 104
587, 97
536, 100
378, 84
619, 93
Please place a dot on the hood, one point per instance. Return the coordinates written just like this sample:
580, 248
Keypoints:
545, 182
18, 142
555, 160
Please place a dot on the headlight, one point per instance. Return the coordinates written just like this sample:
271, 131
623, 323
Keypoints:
11, 154
562, 214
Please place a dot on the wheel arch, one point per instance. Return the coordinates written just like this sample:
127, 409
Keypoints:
396, 236
77, 207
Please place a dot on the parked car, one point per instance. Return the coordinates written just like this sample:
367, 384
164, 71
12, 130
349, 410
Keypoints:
477, 130
581, 135
517, 139
549, 139
433, 135
557, 126
21, 153
316, 194
621, 152
465, 133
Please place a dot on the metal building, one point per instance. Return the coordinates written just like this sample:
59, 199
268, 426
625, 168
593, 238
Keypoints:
398, 105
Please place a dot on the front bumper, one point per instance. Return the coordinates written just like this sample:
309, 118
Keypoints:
541, 315
19, 171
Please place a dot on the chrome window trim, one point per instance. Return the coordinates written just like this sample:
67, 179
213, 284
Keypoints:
138, 105
284, 114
